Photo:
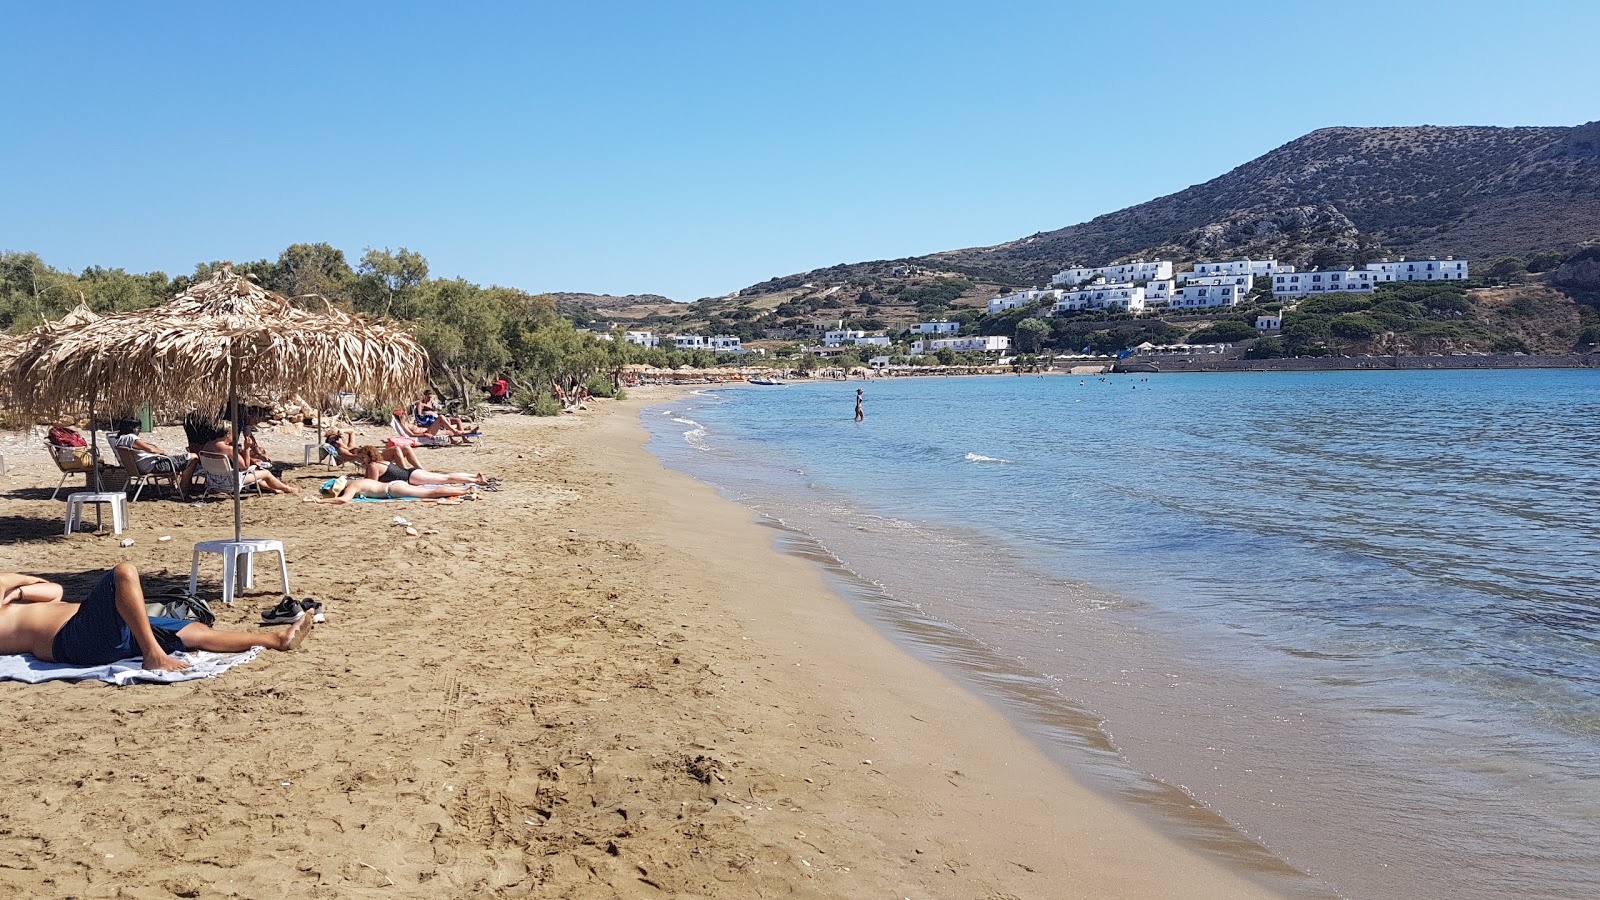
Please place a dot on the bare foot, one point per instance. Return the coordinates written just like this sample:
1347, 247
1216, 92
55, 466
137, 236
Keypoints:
296, 633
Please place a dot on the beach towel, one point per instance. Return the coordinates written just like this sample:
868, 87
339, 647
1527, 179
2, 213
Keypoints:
31, 669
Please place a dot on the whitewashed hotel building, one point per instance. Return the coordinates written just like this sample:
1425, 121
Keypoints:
1208, 292
983, 343
643, 338
1020, 298
1125, 297
724, 343
1138, 270
1431, 269
939, 327
1250, 267
1354, 281
841, 336
1158, 293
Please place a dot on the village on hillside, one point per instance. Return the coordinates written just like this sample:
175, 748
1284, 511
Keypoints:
1134, 288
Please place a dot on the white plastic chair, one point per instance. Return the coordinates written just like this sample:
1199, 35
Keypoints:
161, 467
221, 477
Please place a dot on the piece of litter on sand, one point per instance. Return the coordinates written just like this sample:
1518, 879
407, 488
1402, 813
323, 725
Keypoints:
165, 537
126, 542
412, 531
401, 520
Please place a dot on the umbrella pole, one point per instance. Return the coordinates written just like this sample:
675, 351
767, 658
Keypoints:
238, 459
94, 454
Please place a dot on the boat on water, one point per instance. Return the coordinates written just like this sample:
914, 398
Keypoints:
766, 381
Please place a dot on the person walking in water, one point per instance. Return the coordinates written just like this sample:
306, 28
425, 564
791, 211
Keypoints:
861, 414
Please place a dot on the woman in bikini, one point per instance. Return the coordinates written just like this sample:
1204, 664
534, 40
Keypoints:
373, 489
425, 413
376, 466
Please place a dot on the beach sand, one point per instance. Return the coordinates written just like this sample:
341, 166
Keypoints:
599, 682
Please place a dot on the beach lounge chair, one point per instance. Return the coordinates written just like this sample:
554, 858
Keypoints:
71, 461
161, 467
441, 439
221, 477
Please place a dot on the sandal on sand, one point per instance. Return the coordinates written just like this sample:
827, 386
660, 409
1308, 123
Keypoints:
313, 608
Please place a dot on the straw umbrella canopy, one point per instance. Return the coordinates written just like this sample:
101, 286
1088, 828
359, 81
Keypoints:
223, 339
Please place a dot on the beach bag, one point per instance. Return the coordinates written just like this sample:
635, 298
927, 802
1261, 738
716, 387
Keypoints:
179, 606
62, 436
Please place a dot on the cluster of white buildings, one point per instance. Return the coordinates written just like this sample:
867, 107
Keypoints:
721, 343
1143, 285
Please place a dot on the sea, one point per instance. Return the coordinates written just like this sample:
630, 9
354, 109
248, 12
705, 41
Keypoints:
1339, 630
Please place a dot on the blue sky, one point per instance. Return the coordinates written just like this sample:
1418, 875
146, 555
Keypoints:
692, 149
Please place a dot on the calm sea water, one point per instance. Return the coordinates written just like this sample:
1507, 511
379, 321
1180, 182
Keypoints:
1342, 624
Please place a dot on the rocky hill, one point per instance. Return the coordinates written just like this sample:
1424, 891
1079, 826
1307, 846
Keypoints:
1353, 193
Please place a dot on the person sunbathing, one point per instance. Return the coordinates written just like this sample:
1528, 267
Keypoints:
342, 490
222, 445
425, 412
375, 466
341, 445
111, 624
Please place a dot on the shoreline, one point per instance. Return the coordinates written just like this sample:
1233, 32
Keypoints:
604, 680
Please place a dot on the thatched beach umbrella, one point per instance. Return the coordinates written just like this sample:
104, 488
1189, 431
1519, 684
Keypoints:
224, 339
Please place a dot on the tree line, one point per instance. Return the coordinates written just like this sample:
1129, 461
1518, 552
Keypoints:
473, 333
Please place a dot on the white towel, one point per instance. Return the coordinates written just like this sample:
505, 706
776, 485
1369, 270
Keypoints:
24, 667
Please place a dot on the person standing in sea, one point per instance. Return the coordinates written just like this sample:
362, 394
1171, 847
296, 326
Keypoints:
861, 414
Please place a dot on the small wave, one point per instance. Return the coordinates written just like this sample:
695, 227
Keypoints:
979, 457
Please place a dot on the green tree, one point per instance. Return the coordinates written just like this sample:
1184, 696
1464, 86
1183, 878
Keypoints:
315, 269
388, 280
1032, 335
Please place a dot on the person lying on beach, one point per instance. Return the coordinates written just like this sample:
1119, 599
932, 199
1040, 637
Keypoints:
374, 465
341, 490
222, 445
111, 624
341, 445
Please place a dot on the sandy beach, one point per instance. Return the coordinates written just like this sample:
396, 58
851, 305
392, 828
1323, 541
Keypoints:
602, 681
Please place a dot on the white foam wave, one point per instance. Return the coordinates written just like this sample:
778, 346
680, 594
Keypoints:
979, 457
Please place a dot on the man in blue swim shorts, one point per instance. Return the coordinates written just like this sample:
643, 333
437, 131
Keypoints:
111, 624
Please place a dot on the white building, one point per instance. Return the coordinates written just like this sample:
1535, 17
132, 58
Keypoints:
990, 344
643, 338
1354, 281
1269, 321
724, 343
1020, 298
1158, 292
872, 340
1365, 281
1431, 269
1253, 268
939, 327
1207, 292
1125, 297
841, 336
1138, 270
688, 342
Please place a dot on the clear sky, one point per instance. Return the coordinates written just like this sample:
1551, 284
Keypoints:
694, 148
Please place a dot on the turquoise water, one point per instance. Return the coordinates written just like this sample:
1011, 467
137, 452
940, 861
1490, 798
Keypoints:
1354, 614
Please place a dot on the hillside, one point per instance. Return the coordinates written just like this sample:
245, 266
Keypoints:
1480, 192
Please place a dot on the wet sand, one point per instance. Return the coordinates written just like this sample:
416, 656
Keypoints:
602, 681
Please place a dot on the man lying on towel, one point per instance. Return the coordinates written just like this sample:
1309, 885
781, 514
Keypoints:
111, 624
